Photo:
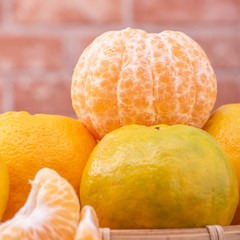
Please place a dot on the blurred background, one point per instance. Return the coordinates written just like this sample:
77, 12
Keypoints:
41, 41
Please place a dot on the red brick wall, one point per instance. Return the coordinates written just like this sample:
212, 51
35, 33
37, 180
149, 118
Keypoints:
40, 42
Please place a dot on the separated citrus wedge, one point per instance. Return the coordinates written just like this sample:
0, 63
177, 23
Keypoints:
50, 212
88, 228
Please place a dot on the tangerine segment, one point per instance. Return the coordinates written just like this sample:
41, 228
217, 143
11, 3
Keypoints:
134, 77
204, 78
50, 212
135, 83
100, 91
173, 80
88, 228
79, 85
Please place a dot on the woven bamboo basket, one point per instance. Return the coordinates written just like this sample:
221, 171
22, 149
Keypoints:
213, 232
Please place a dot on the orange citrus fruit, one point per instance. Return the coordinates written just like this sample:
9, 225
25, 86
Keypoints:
31, 142
4, 187
50, 212
224, 126
88, 228
134, 77
175, 177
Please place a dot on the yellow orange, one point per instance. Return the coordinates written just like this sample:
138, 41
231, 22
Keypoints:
31, 142
4, 187
171, 177
134, 77
224, 126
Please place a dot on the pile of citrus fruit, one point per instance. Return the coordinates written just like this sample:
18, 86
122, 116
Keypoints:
144, 152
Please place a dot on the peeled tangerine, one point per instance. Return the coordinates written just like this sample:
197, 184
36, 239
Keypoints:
134, 77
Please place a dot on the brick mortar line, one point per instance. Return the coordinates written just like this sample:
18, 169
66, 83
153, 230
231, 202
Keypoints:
7, 19
16, 28
127, 13
58, 29
68, 51
49, 76
7, 96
